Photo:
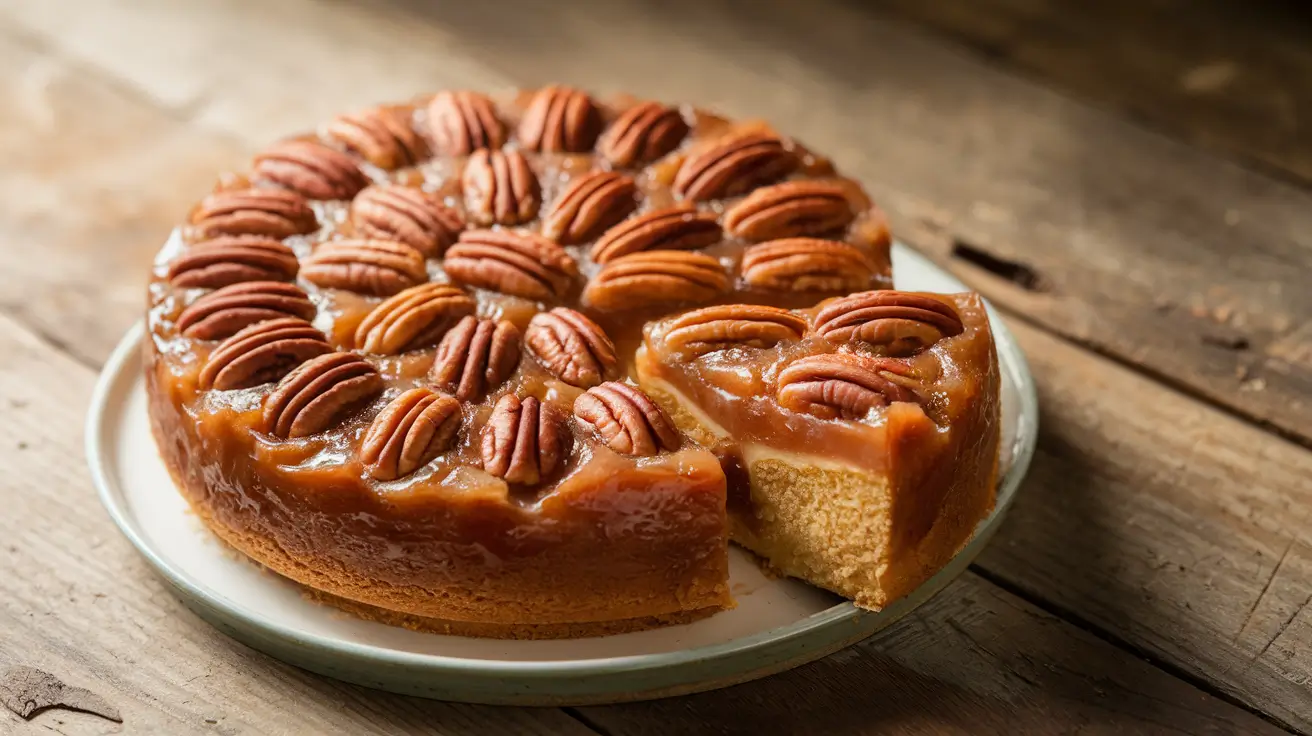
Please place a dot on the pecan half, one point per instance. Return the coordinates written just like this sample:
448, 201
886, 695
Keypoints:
525, 440
707, 330
681, 227
232, 259
319, 393
500, 188
842, 385
383, 136
898, 322
643, 133
733, 166
560, 120
263, 352
310, 168
406, 215
274, 213
374, 267
656, 277
626, 419
807, 264
572, 347
788, 210
474, 357
593, 202
516, 263
462, 122
414, 428
415, 318
223, 312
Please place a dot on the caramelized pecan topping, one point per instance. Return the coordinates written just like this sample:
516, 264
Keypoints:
500, 188
790, 209
593, 202
515, 263
807, 264
560, 120
642, 134
898, 322
374, 267
656, 277
733, 166
572, 347
310, 168
842, 385
413, 319
262, 352
680, 227
273, 213
414, 428
383, 136
708, 330
319, 393
626, 419
406, 215
474, 357
223, 312
525, 440
232, 259
463, 122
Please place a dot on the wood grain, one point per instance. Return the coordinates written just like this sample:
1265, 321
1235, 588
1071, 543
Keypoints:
86, 610
1232, 76
1167, 526
989, 664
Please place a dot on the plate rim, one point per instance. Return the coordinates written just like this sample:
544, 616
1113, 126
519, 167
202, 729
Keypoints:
100, 460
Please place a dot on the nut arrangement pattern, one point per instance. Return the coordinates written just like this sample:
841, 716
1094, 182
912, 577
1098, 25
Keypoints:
431, 264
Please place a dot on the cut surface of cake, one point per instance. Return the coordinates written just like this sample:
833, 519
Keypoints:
522, 365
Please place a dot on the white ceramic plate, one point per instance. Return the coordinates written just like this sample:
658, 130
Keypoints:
778, 624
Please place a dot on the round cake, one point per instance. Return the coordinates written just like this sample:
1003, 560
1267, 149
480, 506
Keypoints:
524, 365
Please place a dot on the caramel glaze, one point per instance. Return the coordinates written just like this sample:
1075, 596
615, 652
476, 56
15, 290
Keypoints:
610, 537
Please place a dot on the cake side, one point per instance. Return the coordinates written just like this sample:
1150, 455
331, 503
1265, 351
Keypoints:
446, 553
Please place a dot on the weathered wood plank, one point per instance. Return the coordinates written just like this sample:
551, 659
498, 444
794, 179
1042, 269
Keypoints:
254, 69
93, 182
80, 604
1161, 255
1169, 524
86, 609
974, 661
1233, 76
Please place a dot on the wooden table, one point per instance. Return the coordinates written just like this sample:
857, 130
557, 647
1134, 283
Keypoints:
1128, 181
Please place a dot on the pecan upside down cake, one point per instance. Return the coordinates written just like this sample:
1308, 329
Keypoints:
524, 365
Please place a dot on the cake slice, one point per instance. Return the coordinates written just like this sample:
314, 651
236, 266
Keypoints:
859, 438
